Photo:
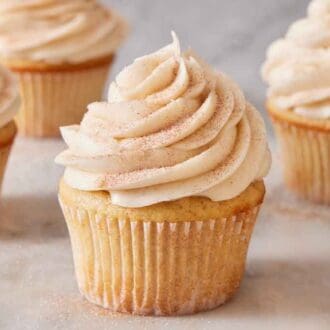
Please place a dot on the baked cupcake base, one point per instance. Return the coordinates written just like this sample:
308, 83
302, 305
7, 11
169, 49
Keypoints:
57, 95
171, 258
7, 136
305, 151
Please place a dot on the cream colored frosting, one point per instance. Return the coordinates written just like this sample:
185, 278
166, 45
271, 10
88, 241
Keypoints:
9, 97
297, 68
172, 128
58, 31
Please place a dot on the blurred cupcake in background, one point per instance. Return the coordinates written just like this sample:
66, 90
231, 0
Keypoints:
162, 187
9, 104
297, 70
61, 52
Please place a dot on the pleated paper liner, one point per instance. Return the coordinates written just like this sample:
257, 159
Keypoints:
53, 97
158, 268
305, 152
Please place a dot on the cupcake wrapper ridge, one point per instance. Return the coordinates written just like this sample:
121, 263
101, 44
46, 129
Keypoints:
306, 161
57, 98
158, 268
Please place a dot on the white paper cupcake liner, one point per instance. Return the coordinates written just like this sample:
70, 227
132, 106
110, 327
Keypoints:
57, 98
306, 161
158, 268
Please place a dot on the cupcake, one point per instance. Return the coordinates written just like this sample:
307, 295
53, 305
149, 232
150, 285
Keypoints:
297, 70
162, 187
61, 52
9, 103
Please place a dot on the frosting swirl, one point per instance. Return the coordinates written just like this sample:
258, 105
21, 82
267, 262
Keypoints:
58, 31
298, 67
172, 128
9, 97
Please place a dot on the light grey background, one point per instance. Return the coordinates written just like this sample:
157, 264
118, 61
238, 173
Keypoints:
232, 35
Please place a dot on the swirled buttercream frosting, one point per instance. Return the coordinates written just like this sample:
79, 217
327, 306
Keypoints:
171, 128
57, 31
297, 68
9, 97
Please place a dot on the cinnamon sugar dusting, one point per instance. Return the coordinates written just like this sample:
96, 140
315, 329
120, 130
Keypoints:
196, 117
64, 307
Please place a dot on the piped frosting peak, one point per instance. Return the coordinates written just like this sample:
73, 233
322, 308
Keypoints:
171, 128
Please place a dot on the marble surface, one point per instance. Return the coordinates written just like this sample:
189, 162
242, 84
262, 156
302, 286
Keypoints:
286, 285
287, 282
